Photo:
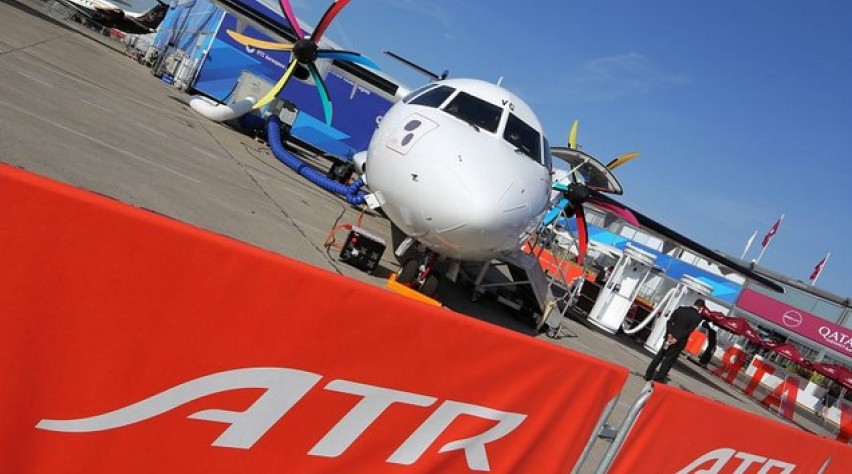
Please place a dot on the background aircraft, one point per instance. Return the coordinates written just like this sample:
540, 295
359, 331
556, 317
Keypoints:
130, 16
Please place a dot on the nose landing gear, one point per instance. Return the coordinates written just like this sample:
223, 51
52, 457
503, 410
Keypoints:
419, 274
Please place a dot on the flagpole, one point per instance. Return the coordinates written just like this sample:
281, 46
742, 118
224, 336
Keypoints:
761, 252
820, 268
748, 244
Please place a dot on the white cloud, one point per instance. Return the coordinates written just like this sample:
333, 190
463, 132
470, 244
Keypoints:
613, 78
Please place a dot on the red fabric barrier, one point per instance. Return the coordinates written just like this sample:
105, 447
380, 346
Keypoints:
678, 432
130, 342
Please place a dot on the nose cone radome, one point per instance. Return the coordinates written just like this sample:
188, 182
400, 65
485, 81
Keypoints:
482, 201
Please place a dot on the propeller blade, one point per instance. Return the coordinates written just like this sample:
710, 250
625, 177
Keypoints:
582, 233
323, 92
277, 87
572, 137
327, 18
655, 226
350, 56
619, 211
621, 160
291, 18
258, 43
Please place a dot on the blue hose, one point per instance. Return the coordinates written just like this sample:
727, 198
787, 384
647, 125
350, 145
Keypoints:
351, 192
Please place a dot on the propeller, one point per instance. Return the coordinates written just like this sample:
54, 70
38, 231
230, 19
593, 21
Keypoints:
305, 51
587, 174
592, 191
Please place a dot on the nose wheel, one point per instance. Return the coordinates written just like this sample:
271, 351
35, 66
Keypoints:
419, 274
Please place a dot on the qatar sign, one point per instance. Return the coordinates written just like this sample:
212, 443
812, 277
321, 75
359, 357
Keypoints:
801, 322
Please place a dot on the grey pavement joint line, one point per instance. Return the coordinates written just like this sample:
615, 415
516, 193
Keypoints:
99, 142
274, 202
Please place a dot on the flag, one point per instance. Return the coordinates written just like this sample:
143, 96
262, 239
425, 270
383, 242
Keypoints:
771, 232
818, 268
748, 244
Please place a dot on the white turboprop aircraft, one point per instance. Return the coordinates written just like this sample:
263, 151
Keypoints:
130, 16
460, 166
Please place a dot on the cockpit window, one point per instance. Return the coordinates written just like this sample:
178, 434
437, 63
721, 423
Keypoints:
417, 92
434, 97
523, 137
475, 111
548, 157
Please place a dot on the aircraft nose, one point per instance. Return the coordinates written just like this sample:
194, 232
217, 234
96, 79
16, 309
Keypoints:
485, 205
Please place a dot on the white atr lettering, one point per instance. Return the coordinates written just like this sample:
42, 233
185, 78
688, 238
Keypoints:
284, 388
722, 457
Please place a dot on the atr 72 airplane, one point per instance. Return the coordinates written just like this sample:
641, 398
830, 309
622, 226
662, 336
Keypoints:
130, 16
460, 166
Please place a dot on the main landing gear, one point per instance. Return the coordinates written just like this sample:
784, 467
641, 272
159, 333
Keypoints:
420, 274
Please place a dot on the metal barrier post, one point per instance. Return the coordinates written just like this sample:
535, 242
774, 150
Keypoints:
601, 425
626, 425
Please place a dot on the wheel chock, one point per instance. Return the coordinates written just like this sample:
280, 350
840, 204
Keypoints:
403, 290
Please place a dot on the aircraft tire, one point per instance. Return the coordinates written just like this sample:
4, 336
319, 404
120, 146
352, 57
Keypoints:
408, 271
430, 286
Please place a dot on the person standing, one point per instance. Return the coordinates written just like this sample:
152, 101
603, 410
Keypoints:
682, 322
707, 355
828, 400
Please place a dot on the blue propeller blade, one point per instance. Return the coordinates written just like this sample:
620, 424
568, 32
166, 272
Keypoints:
323, 93
349, 56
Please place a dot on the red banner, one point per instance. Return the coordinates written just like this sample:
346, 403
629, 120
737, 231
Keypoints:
678, 432
801, 322
130, 342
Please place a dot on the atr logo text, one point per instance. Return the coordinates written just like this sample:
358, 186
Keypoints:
726, 458
283, 389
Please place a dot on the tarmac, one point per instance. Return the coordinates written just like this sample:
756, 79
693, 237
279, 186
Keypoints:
74, 108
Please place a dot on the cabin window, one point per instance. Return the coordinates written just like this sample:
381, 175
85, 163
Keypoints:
475, 111
433, 97
524, 138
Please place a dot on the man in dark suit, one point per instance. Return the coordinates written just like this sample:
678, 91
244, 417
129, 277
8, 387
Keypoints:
682, 322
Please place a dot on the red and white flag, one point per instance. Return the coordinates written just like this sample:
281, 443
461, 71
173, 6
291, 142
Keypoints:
772, 232
818, 268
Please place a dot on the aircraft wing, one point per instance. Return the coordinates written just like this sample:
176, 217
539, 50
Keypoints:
645, 221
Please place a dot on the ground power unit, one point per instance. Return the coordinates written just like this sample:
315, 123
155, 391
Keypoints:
362, 250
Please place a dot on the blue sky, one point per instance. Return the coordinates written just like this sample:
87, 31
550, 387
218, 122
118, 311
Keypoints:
741, 109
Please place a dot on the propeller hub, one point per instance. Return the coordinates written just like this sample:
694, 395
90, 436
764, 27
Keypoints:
577, 194
305, 51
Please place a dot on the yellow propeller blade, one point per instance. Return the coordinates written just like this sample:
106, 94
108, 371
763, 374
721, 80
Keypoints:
572, 137
621, 160
258, 43
278, 86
